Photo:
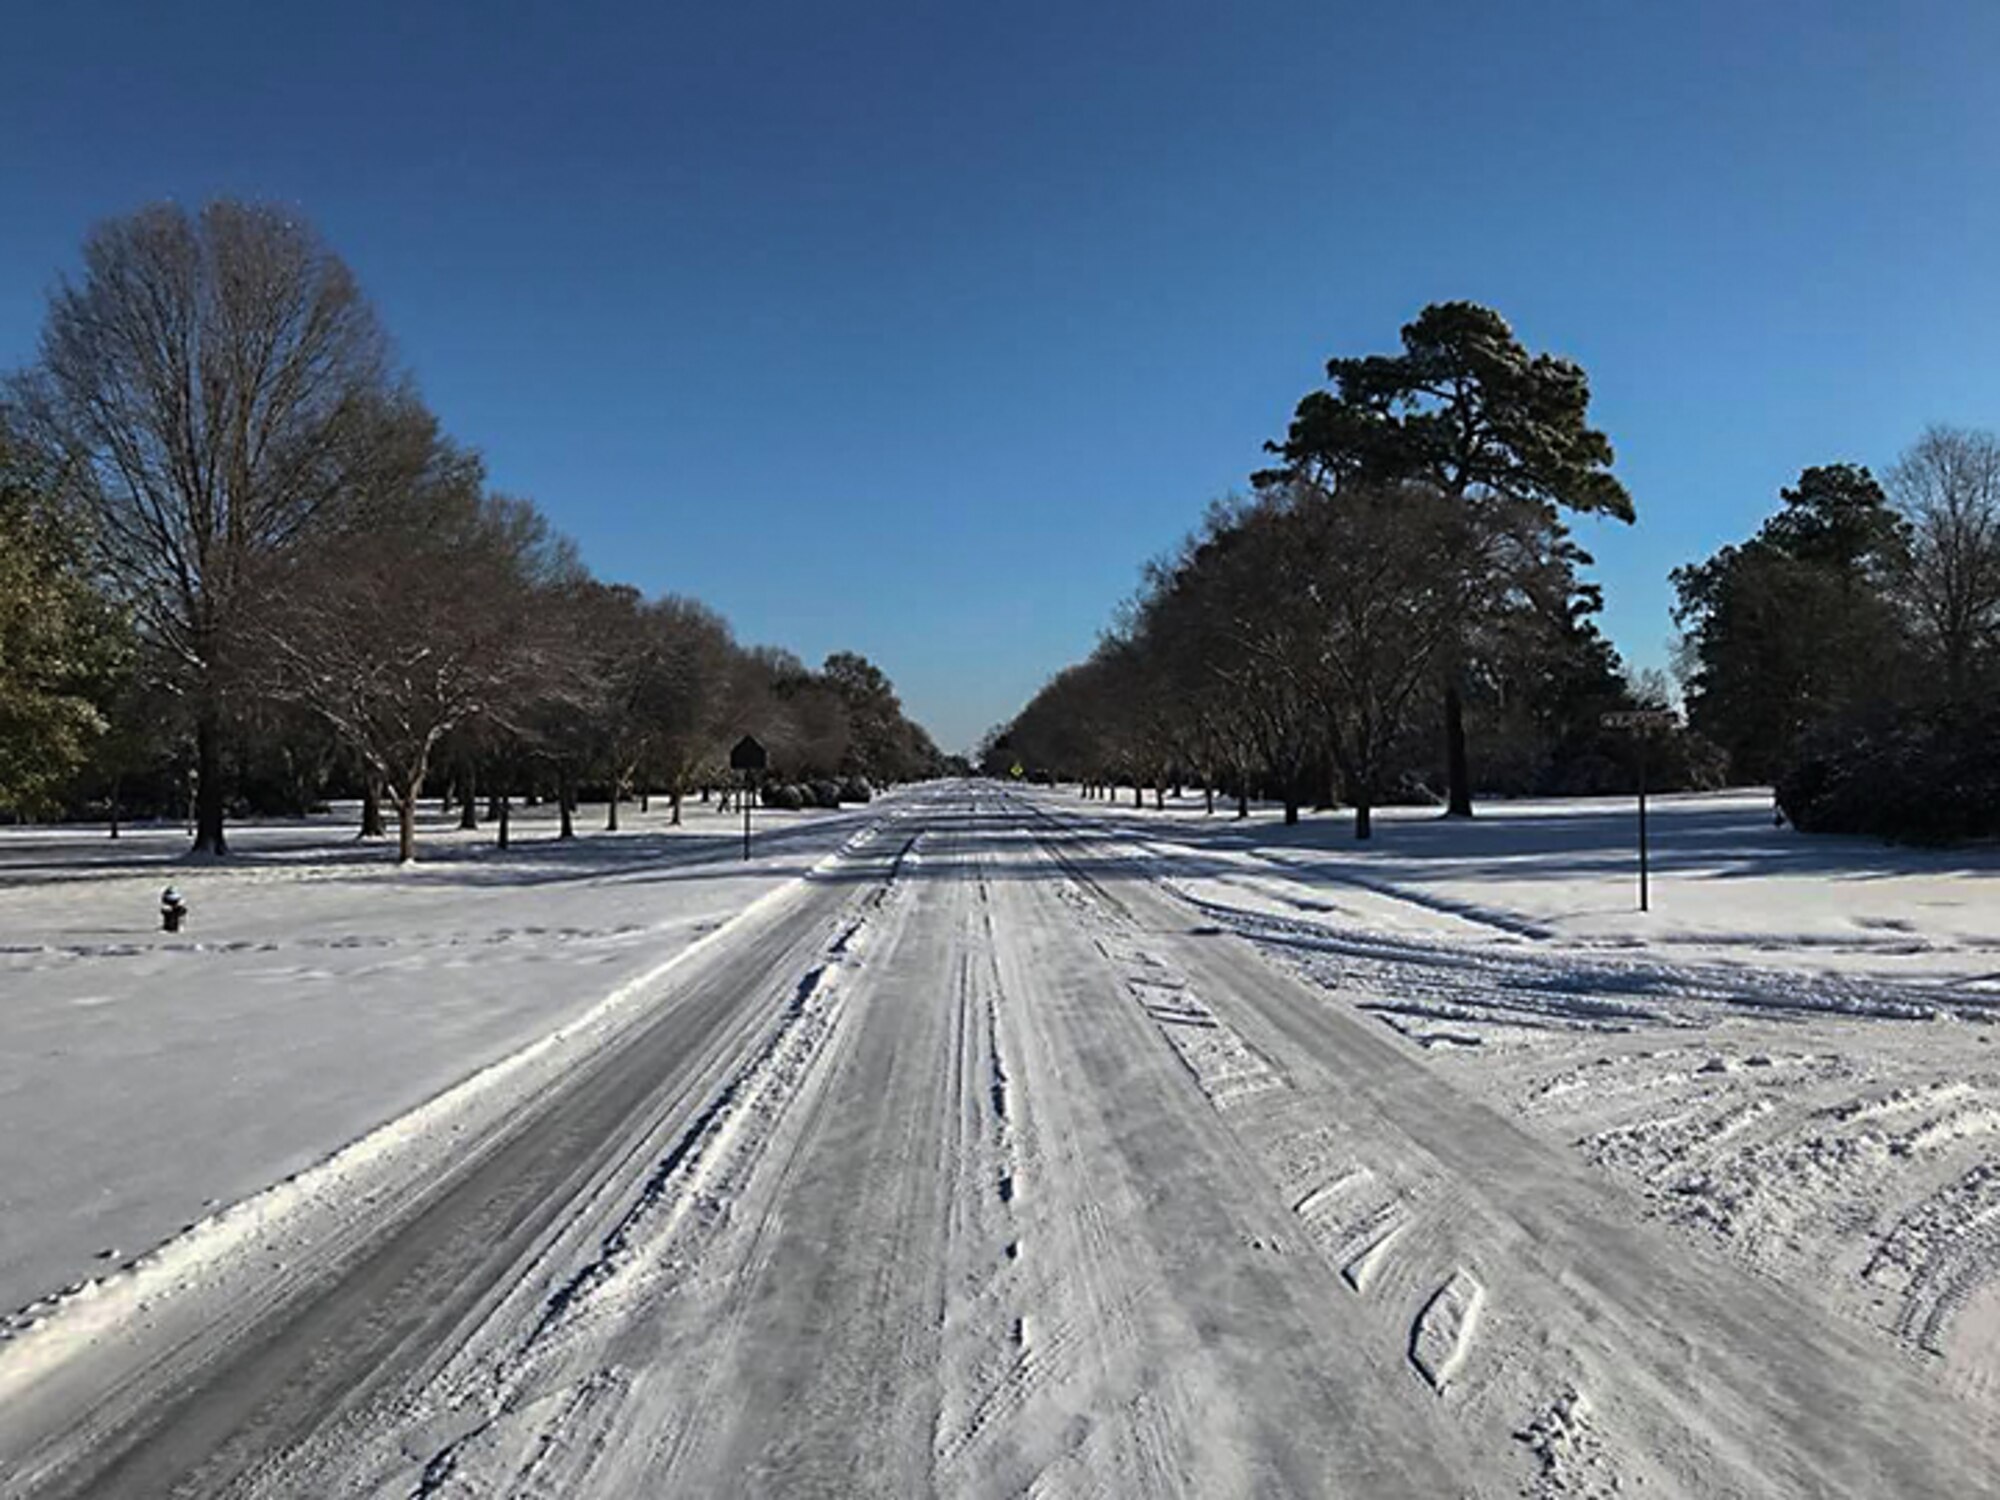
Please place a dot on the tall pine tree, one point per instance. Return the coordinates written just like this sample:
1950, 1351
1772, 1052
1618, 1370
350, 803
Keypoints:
1466, 409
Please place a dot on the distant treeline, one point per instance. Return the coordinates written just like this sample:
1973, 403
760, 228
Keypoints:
243, 568
1398, 612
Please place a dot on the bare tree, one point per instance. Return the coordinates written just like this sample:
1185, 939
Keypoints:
1947, 487
691, 702
1137, 713
1212, 681
1260, 652
1377, 582
203, 386
404, 630
625, 662
800, 716
564, 719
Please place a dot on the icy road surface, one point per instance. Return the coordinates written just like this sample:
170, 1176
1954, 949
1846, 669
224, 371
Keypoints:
988, 1159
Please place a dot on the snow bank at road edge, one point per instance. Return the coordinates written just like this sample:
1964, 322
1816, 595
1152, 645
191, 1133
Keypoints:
53, 1328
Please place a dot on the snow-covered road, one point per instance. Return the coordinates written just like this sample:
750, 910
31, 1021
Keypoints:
319, 992
994, 1159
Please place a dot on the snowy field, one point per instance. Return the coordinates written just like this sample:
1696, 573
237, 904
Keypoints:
317, 992
1728, 884
991, 1142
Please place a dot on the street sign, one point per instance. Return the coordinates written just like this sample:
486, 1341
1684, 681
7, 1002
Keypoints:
1019, 771
1642, 720
749, 758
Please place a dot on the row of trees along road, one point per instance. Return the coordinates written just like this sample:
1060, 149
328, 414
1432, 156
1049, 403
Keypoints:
1400, 581
237, 550
1850, 650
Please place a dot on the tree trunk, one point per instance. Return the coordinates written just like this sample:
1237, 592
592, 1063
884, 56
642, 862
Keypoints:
675, 819
1159, 798
371, 809
468, 807
645, 802
209, 837
406, 826
505, 808
1364, 823
611, 815
1138, 795
493, 805
114, 807
1458, 773
567, 802
1243, 798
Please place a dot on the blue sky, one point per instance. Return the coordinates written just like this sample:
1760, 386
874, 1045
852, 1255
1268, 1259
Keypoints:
914, 328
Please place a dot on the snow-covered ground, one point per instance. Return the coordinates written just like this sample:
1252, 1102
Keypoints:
1728, 883
1023, 1146
1792, 1058
317, 992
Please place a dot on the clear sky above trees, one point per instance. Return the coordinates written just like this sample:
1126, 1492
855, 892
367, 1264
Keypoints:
908, 328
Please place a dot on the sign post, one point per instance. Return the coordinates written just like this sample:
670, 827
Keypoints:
749, 758
1642, 722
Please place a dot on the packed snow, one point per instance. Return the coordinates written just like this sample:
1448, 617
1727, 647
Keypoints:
1791, 1057
992, 1141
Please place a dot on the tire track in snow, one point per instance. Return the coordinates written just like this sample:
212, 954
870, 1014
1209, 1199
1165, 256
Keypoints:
1376, 1225
683, 1200
1750, 1172
537, 1386
1079, 1402
379, 1214
1555, 1342
1225, 1069
983, 1313
1062, 1309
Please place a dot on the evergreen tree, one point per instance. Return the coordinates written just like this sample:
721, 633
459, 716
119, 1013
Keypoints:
1794, 627
62, 646
1469, 412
